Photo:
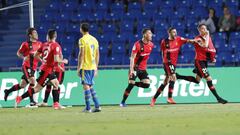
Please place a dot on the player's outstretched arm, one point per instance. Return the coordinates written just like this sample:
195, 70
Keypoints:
191, 41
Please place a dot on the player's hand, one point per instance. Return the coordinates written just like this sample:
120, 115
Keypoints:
65, 61
214, 60
207, 33
96, 72
131, 72
26, 58
193, 41
78, 72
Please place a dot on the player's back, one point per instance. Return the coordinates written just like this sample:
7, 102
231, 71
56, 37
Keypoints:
48, 50
90, 45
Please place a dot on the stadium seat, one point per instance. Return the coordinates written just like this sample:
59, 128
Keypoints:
134, 6
54, 6
103, 49
117, 6
102, 6
146, 15
86, 6
119, 39
196, 3
109, 29
150, 6
168, 4
117, 59
118, 48
69, 6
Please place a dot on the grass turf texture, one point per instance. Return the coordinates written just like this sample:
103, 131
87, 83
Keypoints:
189, 119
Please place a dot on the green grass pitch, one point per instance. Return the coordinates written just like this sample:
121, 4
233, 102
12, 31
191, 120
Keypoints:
182, 119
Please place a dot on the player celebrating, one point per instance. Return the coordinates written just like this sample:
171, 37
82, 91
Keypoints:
29, 66
87, 68
50, 52
138, 64
59, 72
170, 48
205, 51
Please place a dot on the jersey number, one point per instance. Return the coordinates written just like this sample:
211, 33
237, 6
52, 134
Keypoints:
45, 55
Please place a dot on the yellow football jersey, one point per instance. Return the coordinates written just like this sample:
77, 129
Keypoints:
90, 45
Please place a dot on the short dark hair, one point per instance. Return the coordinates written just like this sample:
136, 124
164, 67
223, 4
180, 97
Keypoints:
145, 30
170, 29
30, 30
85, 27
201, 24
51, 33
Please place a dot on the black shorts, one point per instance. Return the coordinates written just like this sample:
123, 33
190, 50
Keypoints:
44, 78
27, 73
169, 69
60, 76
141, 74
201, 68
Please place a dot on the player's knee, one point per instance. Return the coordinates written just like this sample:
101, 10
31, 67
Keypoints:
197, 81
31, 80
208, 78
37, 88
131, 82
86, 87
23, 84
146, 85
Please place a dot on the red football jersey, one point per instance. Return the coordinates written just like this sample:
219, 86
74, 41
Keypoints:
147, 51
27, 51
205, 53
48, 50
174, 48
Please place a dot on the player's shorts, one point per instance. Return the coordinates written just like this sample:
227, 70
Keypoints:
141, 74
201, 68
169, 68
44, 78
87, 76
60, 76
27, 73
